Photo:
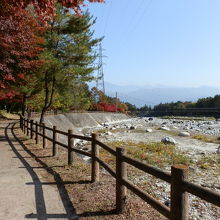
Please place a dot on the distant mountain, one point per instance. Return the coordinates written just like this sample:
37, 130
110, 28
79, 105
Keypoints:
154, 95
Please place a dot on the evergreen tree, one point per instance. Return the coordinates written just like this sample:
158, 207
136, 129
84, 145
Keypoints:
69, 54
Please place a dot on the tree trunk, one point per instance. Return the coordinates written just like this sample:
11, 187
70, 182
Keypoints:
48, 95
24, 104
42, 115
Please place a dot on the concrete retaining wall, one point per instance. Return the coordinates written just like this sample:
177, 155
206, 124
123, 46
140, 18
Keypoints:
78, 121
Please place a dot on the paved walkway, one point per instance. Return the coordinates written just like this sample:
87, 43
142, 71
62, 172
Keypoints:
22, 194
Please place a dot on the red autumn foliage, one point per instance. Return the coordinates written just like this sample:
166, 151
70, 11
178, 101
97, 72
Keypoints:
46, 8
20, 45
19, 38
107, 107
10, 95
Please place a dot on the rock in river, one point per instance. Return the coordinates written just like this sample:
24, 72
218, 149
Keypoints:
184, 134
164, 128
168, 140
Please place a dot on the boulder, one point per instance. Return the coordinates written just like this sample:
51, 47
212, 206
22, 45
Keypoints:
132, 127
184, 134
164, 128
168, 140
105, 125
186, 128
149, 130
108, 133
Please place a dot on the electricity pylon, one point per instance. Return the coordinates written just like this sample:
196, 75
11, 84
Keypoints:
100, 84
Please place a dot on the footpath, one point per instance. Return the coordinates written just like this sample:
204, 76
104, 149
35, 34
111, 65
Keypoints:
23, 195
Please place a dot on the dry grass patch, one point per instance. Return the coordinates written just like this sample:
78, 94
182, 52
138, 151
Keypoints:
209, 162
206, 138
154, 153
6, 115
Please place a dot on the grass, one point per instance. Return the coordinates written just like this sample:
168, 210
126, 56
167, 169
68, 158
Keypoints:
208, 139
102, 131
203, 138
154, 153
208, 162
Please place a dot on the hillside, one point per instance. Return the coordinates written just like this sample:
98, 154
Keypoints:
154, 95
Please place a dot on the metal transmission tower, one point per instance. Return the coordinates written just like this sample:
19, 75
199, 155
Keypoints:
100, 84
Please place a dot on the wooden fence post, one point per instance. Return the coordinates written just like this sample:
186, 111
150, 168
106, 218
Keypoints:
70, 146
55, 150
24, 125
44, 136
95, 163
28, 127
36, 132
121, 173
32, 132
179, 198
20, 122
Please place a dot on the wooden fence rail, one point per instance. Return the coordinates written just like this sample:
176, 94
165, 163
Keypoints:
180, 187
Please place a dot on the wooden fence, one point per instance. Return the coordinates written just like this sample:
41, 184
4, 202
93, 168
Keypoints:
180, 186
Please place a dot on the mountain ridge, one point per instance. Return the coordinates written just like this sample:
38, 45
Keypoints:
150, 95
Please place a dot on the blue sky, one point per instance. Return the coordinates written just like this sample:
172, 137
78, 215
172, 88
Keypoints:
160, 42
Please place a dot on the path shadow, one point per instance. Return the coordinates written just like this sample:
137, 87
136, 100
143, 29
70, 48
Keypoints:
98, 213
63, 182
2, 138
39, 196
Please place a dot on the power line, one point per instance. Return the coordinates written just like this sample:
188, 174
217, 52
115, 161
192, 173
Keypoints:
108, 15
142, 15
134, 13
102, 24
135, 22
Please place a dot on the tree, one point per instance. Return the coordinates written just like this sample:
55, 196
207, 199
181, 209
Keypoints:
102, 102
20, 41
20, 45
68, 55
45, 8
131, 107
16, 34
